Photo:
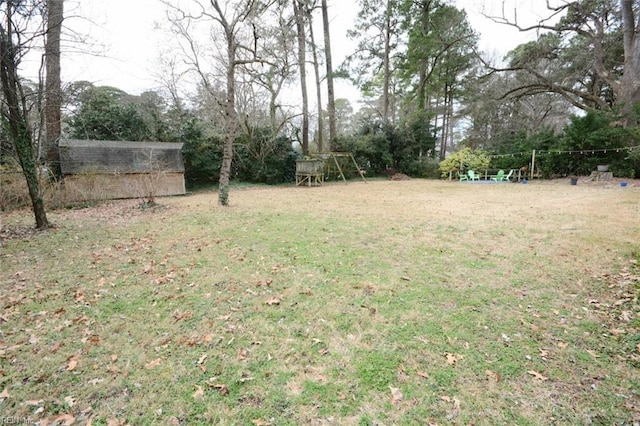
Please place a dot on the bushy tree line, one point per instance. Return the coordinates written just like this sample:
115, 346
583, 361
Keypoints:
264, 156
107, 113
586, 142
261, 155
381, 148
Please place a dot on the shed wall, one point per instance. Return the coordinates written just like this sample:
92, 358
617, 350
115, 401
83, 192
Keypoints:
95, 170
86, 187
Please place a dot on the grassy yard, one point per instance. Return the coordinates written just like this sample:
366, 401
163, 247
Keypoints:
411, 302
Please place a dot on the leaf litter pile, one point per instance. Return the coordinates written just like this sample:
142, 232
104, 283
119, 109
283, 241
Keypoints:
392, 302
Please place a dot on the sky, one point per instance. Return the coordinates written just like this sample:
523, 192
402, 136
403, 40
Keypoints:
125, 42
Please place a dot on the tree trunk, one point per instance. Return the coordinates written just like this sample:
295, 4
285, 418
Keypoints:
331, 106
14, 117
450, 121
316, 70
445, 126
230, 125
386, 64
438, 117
299, 10
424, 60
53, 91
629, 93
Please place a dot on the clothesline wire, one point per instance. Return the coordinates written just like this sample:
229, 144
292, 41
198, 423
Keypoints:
574, 151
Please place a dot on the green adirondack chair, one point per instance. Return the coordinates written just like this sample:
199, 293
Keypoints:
499, 177
473, 176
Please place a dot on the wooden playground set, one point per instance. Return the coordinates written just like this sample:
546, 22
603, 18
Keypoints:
312, 170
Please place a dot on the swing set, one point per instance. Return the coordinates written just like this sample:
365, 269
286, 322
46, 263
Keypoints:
312, 171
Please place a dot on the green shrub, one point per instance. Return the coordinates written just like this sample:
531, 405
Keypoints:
202, 156
465, 159
259, 157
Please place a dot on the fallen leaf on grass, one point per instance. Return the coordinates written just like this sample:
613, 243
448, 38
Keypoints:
199, 393
267, 282
396, 395
223, 389
246, 378
61, 419
260, 422
4, 394
537, 375
72, 362
81, 319
273, 301
71, 401
454, 400
493, 376
593, 354
202, 359
34, 402
243, 354
423, 375
153, 364
182, 315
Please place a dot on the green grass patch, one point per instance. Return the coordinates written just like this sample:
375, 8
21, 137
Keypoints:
409, 302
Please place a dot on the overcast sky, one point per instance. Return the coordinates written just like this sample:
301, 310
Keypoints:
128, 41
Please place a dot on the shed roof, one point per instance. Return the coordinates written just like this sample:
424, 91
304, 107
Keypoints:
89, 156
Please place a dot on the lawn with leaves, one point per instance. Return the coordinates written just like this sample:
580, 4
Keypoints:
412, 302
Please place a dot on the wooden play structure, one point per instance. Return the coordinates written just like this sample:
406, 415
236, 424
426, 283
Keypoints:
312, 171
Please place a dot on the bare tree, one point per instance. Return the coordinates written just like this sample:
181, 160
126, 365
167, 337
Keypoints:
17, 35
237, 21
299, 11
316, 70
331, 100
